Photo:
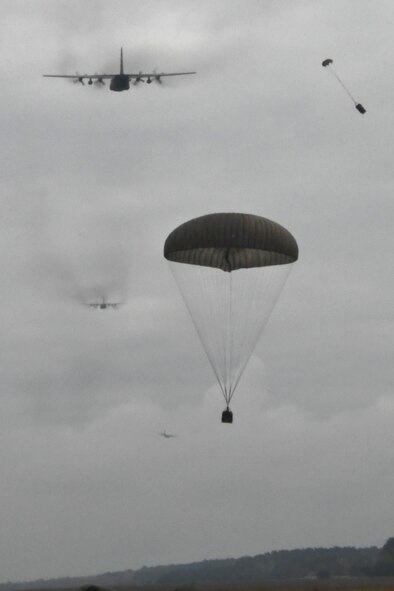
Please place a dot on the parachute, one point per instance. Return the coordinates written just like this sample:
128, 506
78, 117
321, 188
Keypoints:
230, 269
328, 62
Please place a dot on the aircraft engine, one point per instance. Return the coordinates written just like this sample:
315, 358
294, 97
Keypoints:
138, 79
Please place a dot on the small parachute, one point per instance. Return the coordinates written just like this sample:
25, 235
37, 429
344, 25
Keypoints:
328, 62
230, 269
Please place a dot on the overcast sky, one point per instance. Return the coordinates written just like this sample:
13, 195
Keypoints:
92, 183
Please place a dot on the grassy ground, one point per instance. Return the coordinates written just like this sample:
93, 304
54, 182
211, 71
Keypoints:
330, 584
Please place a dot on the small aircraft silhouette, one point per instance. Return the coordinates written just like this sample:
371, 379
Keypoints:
119, 81
166, 435
104, 305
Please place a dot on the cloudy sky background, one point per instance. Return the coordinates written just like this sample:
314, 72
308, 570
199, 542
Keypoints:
92, 183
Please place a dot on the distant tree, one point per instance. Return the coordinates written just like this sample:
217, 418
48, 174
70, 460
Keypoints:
384, 565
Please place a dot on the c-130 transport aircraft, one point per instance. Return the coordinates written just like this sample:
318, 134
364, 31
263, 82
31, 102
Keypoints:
119, 81
103, 305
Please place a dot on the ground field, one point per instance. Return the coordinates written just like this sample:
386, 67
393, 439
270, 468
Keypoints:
330, 584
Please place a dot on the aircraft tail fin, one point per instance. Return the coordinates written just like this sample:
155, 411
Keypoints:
121, 60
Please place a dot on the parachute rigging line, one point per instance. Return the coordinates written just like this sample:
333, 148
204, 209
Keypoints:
328, 62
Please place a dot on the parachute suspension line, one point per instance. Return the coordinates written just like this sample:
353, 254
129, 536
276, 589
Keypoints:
253, 327
331, 69
230, 341
218, 286
212, 285
182, 281
240, 323
212, 316
229, 311
250, 321
265, 295
226, 332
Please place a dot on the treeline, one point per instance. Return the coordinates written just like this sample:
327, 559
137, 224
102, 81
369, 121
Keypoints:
272, 566
321, 563
109, 579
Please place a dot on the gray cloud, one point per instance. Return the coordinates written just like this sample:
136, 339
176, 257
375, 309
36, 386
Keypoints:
92, 184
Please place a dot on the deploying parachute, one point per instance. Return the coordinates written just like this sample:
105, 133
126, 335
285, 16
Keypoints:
230, 269
327, 63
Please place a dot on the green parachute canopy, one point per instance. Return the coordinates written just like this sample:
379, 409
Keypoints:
231, 241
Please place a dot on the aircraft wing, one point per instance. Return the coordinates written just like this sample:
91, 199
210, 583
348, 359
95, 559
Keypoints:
99, 77
156, 75
81, 76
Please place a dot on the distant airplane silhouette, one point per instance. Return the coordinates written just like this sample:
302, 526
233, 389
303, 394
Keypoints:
103, 305
120, 81
166, 435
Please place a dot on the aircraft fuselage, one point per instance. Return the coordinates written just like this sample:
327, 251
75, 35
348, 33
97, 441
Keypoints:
119, 82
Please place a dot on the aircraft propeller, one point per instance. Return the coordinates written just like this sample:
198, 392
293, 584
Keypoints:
138, 78
78, 78
99, 82
154, 77
157, 77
